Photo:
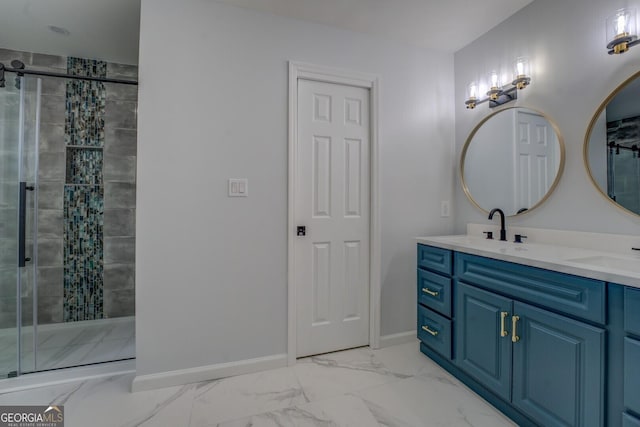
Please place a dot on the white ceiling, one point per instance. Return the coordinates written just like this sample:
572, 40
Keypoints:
99, 29
109, 29
439, 24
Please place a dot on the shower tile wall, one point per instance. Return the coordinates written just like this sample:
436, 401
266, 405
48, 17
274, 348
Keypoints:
118, 186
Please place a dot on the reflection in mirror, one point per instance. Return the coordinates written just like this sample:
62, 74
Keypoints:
512, 160
613, 142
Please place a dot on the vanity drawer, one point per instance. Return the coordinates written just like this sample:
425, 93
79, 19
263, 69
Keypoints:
632, 374
573, 295
630, 421
436, 259
434, 291
632, 310
435, 331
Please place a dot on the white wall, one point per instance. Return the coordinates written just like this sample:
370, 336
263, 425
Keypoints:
572, 75
211, 270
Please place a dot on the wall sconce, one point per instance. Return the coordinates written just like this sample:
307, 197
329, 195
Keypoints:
499, 94
472, 95
522, 79
621, 31
495, 86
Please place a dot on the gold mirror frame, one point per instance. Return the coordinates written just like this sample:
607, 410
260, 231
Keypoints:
587, 139
467, 143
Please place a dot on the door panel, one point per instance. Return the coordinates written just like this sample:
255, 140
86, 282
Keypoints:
536, 158
481, 351
557, 369
332, 201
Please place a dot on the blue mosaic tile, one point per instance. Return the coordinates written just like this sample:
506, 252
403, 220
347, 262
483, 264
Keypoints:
83, 193
84, 166
83, 252
85, 103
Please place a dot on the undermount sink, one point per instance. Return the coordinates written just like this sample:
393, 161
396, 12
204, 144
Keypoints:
610, 262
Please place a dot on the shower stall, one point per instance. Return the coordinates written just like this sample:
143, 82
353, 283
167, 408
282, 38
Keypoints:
67, 212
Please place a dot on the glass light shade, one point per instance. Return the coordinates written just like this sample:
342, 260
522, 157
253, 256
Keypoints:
472, 91
521, 68
494, 80
620, 25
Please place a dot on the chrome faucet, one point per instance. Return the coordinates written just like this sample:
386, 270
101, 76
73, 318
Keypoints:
503, 231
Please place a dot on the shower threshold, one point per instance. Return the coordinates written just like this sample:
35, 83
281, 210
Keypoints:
62, 345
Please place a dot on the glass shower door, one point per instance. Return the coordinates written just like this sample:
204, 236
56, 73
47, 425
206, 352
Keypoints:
9, 204
18, 162
30, 88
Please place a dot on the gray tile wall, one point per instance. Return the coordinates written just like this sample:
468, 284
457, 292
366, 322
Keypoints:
120, 148
120, 198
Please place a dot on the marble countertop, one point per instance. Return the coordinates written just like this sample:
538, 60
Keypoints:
608, 266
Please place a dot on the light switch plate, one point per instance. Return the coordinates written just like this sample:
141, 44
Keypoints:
444, 209
238, 187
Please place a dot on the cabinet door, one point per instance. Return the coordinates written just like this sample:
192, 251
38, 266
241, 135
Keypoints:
558, 369
480, 349
632, 374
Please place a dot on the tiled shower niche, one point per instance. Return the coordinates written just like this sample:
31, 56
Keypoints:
86, 194
84, 166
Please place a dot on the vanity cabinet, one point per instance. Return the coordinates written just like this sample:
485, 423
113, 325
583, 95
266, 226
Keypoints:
530, 341
547, 365
632, 357
434, 299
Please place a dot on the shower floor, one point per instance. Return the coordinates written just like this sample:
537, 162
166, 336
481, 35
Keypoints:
63, 345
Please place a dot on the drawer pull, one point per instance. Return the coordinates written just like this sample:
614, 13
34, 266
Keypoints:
514, 325
503, 329
430, 292
426, 329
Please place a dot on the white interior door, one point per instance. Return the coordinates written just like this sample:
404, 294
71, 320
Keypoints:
332, 202
535, 159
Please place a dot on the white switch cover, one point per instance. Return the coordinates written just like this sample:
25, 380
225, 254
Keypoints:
238, 187
444, 208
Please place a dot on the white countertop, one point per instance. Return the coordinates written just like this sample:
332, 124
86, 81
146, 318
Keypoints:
608, 266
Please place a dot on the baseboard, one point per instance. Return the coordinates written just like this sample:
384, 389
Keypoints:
400, 338
206, 373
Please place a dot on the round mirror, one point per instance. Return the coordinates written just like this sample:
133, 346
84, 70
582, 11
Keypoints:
612, 146
512, 160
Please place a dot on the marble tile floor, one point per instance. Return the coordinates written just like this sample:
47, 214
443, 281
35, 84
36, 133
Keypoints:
395, 387
69, 344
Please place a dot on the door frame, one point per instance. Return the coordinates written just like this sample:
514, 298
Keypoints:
301, 70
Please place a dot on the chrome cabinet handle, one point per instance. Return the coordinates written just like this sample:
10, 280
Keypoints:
514, 325
503, 329
430, 292
426, 329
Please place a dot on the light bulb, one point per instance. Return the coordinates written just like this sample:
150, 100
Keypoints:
520, 68
473, 90
621, 24
494, 80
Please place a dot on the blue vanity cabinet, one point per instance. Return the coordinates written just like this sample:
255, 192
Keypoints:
434, 299
483, 342
558, 368
532, 342
549, 366
631, 357
630, 421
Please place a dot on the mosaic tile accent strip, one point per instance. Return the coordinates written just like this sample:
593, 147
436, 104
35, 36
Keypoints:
83, 193
85, 102
84, 166
83, 252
